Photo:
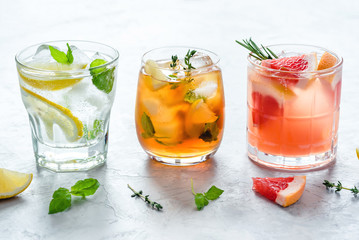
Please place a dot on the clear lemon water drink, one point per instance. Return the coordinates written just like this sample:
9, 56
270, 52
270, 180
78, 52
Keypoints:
68, 88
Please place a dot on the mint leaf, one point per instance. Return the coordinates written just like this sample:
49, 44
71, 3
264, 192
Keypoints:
213, 193
85, 187
58, 55
147, 126
210, 132
102, 78
200, 201
96, 63
61, 200
191, 96
96, 130
70, 57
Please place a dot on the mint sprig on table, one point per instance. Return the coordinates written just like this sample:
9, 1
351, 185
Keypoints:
256, 52
61, 199
202, 199
102, 78
338, 187
62, 57
154, 205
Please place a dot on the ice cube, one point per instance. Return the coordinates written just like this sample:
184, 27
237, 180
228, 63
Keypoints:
80, 57
199, 60
206, 89
98, 55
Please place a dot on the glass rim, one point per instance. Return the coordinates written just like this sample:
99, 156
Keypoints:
65, 72
339, 63
214, 63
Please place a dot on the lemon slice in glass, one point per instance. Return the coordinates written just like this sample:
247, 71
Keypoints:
12, 183
158, 79
51, 113
46, 82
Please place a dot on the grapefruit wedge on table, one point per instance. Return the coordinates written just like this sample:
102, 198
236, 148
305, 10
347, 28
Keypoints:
12, 183
283, 191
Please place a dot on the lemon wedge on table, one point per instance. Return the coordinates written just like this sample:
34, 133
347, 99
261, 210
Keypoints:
12, 183
51, 113
46, 82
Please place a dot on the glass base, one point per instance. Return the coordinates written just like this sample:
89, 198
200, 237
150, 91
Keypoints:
70, 159
308, 162
185, 161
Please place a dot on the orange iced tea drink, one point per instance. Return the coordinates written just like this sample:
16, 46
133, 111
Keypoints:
180, 105
293, 107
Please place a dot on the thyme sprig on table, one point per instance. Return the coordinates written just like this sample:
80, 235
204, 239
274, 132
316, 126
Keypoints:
257, 52
338, 187
154, 205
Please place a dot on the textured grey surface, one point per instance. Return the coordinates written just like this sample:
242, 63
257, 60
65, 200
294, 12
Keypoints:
134, 27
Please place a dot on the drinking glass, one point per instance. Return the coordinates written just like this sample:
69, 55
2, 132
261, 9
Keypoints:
68, 88
180, 105
293, 116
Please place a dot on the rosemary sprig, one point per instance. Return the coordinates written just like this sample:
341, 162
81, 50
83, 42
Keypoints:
187, 58
154, 205
255, 51
338, 187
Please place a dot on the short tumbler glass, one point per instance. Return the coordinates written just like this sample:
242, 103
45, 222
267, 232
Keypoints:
68, 101
293, 116
180, 105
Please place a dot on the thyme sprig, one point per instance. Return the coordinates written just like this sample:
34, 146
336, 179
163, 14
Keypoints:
154, 205
174, 61
257, 52
338, 187
187, 58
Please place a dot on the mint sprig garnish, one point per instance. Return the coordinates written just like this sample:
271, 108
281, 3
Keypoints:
210, 132
102, 78
61, 57
96, 130
201, 199
61, 199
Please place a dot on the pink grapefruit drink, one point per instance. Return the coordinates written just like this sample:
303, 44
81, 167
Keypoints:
293, 107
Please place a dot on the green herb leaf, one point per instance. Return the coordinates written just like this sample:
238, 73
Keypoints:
257, 52
96, 130
213, 193
58, 55
187, 58
102, 78
85, 187
191, 96
200, 201
61, 200
146, 199
70, 57
338, 187
147, 126
174, 61
96, 63
210, 132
